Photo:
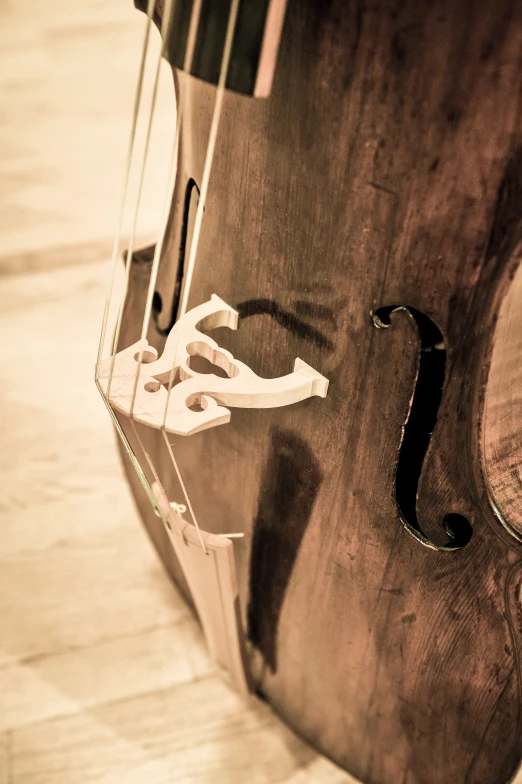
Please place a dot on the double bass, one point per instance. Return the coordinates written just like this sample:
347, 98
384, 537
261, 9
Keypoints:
315, 370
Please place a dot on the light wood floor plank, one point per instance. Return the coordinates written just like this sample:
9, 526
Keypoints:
23, 263
68, 77
87, 677
170, 736
76, 596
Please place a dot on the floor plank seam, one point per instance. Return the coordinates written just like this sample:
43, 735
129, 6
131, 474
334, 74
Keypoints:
89, 709
54, 258
36, 658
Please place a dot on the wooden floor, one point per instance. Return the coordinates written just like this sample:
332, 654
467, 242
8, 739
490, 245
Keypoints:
103, 673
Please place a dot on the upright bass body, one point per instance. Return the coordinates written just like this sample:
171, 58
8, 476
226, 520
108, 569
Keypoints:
366, 217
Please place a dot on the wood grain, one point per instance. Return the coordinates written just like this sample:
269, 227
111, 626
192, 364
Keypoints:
502, 435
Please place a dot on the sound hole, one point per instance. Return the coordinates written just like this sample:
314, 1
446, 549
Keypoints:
419, 426
189, 217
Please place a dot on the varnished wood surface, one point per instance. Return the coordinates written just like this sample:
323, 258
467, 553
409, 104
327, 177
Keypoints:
503, 413
383, 171
103, 673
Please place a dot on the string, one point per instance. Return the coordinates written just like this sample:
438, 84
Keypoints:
195, 15
216, 117
134, 460
151, 466
115, 257
189, 54
167, 15
232, 19
185, 493
187, 64
123, 199
197, 225
165, 22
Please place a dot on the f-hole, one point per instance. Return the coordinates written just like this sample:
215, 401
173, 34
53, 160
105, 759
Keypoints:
419, 426
189, 214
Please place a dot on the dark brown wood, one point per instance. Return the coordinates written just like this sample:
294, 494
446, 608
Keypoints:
503, 414
384, 170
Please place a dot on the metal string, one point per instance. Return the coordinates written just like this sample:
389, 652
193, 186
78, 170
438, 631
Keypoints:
189, 54
187, 65
185, 493
130, 452
167, 15
198, 221
128, 260
115, 257
216, 117
152, 468
165, 22
130, 151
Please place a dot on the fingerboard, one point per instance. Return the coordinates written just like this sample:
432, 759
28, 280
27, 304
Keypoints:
254, 48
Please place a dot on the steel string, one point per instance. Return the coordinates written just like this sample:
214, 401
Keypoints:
216, 117
123, 199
